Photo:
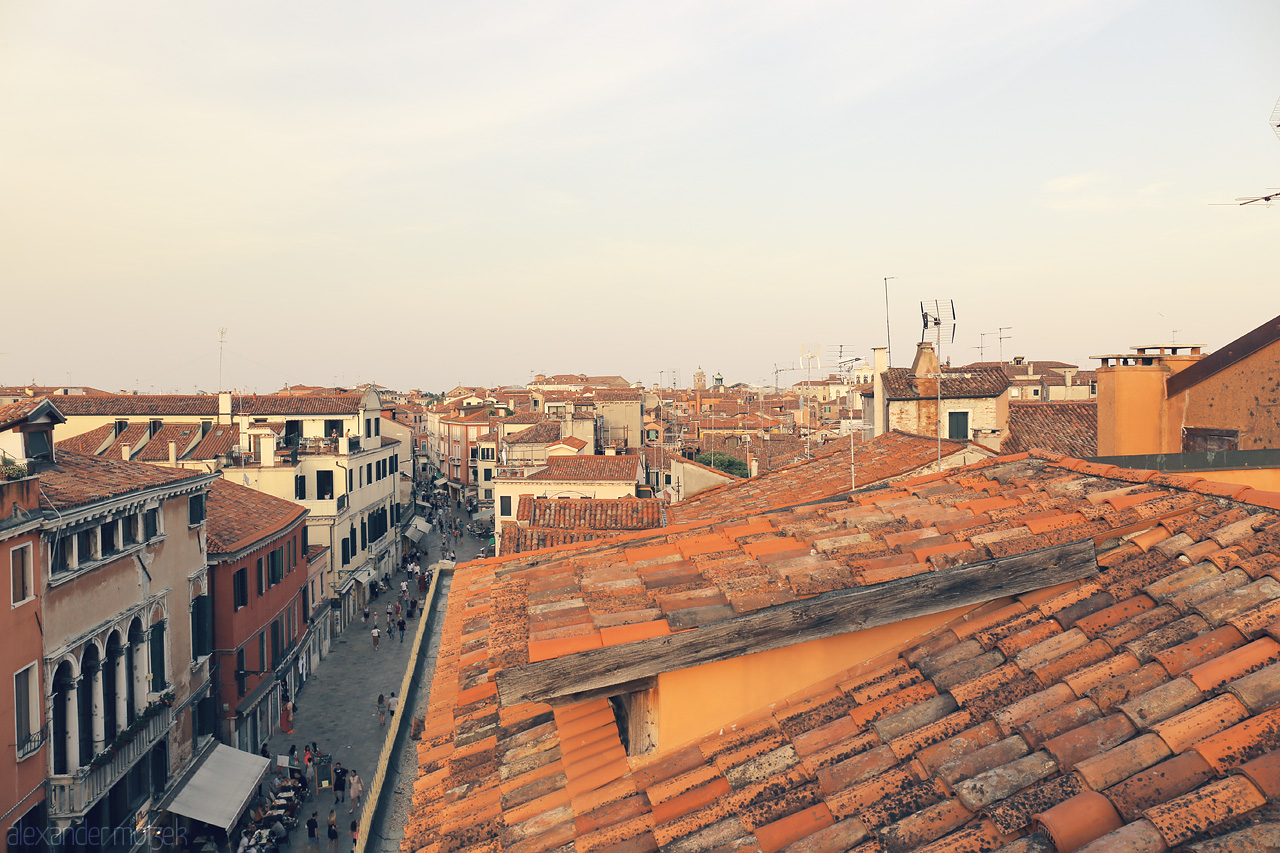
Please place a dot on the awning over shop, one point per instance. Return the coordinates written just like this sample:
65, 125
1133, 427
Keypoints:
366, 574
220, 787
414, 534
482, 514
439, 481
424, 527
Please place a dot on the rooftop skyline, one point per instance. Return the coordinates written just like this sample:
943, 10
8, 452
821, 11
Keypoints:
431, 194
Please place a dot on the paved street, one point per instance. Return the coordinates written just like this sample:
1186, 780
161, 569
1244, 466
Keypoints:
337, 706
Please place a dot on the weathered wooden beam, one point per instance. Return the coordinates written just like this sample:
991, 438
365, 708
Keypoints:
607, 671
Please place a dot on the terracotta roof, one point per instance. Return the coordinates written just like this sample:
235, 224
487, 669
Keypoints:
1069, 427
77, 479
18, 411
239, 517
544, 432
603, 395
217, 442
894, 454
552, 522
524, 418
959, 383
571, 441
1138, 709
133, 435
207, 404
156, 449
620, 468
88, 442
387, 441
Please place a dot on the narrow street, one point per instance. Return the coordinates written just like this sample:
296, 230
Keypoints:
337, 708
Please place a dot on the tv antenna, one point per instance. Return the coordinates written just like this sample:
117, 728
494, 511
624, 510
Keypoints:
938, 322
1002, 337
1272, 193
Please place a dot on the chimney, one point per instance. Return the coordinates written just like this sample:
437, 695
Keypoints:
753, 464
880, 411
173, 453
224, 407
124, 452
268, 447
924, 372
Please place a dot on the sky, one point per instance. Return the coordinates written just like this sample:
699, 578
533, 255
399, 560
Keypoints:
423, 194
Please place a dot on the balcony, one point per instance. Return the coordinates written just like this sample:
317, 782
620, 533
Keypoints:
72, 795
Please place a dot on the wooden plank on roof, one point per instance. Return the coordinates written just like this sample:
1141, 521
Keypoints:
602, 671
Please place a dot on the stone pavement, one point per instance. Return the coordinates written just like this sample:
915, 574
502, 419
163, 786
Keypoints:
337, 707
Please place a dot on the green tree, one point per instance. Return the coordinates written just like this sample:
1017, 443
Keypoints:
723, 462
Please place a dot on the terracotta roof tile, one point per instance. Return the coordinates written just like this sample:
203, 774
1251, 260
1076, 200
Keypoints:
1141, 686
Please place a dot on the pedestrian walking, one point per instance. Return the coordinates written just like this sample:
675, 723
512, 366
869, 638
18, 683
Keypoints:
333, 831
382, 710
313, 831
400, 625
375, 637
366, 614
391, 608
399, 609
339, 783
392, 704
355, 832
357, 790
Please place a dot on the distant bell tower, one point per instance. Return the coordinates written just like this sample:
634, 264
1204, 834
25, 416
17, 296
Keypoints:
699, 380
717, 381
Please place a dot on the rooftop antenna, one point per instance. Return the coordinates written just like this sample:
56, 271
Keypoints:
809, 353
938, 322
888, 338
222, 339
982, 345
1002, 337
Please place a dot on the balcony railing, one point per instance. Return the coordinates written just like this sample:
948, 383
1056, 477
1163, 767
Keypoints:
72, 795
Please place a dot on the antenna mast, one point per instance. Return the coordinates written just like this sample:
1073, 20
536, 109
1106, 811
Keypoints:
938, 320
222, 339
1002, 337
888, 338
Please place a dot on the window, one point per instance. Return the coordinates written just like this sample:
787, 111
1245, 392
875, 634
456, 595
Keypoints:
346, 550
293, 554
275, 644
300, 487
488, 494
201, 627
84, 546
240, 588
351, 479
20, 573
107, 537
262, 650
27, 712
195, 509
302, 545
504, 507
488, 474
486, 453
151, 523
324, 485
158, 682
377, 426
262, 579
275, 566
39, 447
240, 667
368, 427
368, 478
129, 524
364, 535
958, 426
1201, 440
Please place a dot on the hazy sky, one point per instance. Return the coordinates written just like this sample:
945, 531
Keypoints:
424, 193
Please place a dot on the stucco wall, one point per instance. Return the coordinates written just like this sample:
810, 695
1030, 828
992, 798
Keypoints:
693, 702
1244, 396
